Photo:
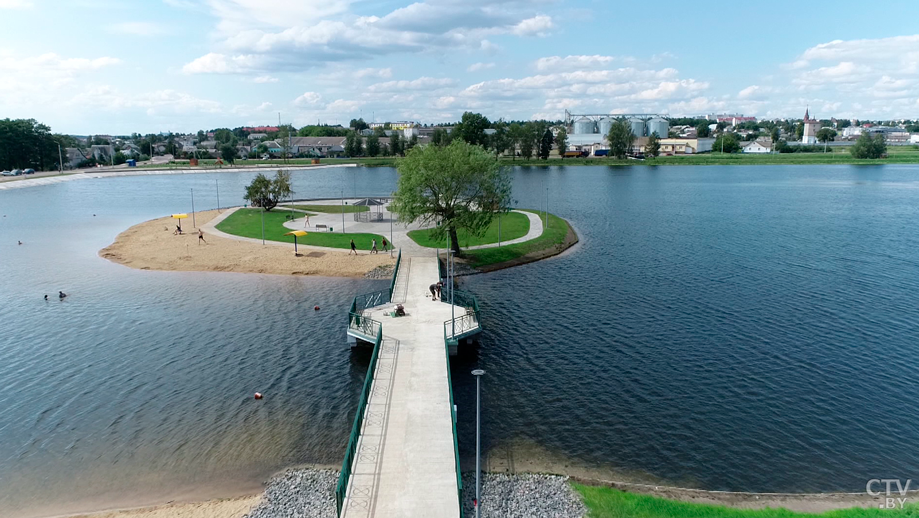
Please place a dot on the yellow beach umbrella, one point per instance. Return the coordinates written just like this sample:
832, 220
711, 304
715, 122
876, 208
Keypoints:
296, 234
179, 217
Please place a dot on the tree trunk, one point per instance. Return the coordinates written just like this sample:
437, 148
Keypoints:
454, 241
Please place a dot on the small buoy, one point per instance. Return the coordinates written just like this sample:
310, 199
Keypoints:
258, 395
315, 308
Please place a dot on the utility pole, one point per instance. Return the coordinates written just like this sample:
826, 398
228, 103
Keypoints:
60, 156
342, 211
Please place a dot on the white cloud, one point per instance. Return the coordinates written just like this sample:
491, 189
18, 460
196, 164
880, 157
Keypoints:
137, 28
265, 79
422, 83
475, 67
558, 63
214, 63
308, 98
384, 73
536, 26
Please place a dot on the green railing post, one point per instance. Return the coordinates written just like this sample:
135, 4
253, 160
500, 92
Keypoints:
459, 475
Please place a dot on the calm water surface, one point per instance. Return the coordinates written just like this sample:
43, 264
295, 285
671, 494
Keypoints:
749, 328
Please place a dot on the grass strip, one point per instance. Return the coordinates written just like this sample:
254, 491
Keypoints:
551, 237
606, 502
513, 225
248, 223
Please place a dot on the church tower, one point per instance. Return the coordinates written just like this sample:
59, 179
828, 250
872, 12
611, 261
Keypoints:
810, 129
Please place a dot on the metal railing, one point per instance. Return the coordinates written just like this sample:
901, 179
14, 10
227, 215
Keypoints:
459, 475
462, 324
364, 325
395, 274
341, 490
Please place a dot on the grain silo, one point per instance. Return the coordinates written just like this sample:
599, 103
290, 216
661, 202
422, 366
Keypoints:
659, 126
638, 126
584, 126
605, 124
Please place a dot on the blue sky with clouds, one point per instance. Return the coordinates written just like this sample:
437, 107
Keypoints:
106, 66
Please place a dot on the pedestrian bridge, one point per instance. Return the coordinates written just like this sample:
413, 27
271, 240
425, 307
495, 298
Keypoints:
402, 458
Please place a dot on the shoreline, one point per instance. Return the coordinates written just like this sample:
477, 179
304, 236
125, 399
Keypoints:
151, 245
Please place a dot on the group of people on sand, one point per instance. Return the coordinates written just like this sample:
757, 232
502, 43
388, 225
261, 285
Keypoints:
373, 247
178, 232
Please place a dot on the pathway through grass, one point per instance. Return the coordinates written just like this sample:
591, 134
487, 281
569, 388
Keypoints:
248, 223
513, 225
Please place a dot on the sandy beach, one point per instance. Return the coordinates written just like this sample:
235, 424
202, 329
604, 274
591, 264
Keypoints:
230, 508
152, 246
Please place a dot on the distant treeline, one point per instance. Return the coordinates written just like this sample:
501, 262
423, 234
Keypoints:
26, 143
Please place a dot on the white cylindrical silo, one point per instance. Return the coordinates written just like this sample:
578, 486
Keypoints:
638, 126
659, 126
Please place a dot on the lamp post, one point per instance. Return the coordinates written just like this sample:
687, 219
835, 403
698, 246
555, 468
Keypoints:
263, 221
193, 209
478, 436
217, 184
391, 245
342, 211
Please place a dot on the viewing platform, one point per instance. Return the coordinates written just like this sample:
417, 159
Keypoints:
402, 458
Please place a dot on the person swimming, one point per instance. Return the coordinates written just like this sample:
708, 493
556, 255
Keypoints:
61, 294
46, 297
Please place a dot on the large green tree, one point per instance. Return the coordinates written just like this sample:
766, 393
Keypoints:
228, 153
26, 143
396, 145
561, 141
726, 142
654, 145
471, 128
826, 135
703, 131
620, 139
373, 145
868, 146
545, 144
459, 186
265, 192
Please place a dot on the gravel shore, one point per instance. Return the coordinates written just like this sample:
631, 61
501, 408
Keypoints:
307, 493
523, 496
299, 493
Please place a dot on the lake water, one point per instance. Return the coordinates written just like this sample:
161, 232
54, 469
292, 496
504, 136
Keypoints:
737, 328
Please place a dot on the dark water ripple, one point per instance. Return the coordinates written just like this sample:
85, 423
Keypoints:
730, 328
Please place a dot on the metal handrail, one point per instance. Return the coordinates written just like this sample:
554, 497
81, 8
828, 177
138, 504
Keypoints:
369, 300
364, 325
459, 325
395, 274
459, 476
341, 490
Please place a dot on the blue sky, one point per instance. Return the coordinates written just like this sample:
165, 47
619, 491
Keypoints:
106, 66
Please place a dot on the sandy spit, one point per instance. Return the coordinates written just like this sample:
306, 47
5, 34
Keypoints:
230, 508
152, 246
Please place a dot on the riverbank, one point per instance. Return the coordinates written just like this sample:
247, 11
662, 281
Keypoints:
152, 246
225, 508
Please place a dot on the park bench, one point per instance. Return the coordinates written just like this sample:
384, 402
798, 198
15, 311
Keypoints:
326, 227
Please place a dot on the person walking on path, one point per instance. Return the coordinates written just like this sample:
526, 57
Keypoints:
353, 248
201, 237
306, 221
385, 249
373, 247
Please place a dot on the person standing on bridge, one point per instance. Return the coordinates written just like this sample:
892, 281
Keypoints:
433, 289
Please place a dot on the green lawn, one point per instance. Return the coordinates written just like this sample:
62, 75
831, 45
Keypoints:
513, 226
605, 502
552, 236
333, 209
248, 223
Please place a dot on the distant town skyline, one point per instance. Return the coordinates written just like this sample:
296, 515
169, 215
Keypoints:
115, 67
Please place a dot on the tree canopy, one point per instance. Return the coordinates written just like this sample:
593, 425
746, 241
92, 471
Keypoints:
266, 193
868, 146
654, 145
726, 142
27, 143
545, 144
459, 186
471, 128
620, 138
703, 130
826, 134
561, 141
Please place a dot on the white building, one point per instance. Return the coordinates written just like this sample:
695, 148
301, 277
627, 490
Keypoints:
914, 138
755, 146
852, 131
810, 129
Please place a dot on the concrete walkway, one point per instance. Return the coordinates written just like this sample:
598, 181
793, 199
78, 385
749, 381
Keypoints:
405, 465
